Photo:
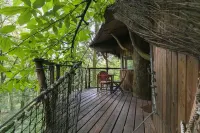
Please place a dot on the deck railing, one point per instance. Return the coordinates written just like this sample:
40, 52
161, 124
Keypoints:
56, 109
92, 81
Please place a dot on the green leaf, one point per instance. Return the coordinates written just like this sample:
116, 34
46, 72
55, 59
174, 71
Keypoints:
3, 58
12, 10
7, 29
16, 2
10, 85
2, 69
74, 19
39, 21
38, 3
83, 36
58, 6
75, 2
60, 24
24, 17
55, 30
67, 22
56, 2
5, 43
27, 2
31, 24
24, 35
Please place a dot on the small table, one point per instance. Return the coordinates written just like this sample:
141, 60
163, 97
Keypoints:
116, 83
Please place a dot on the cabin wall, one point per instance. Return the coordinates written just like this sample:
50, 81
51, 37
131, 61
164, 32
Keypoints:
127, 75
176, 80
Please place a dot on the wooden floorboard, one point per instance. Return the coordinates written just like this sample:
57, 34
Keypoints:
90, 106
101, 122
119, 126
139, 117
87, 114
111, 113
130, 121
91, 100
108, 127
86, 128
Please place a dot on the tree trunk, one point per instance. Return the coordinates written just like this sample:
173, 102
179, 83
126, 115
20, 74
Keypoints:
141, 79
95, 59
11, 101
94, 66
22, 99
106, 59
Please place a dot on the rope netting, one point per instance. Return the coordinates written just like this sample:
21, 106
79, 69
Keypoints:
165, 23
55, 110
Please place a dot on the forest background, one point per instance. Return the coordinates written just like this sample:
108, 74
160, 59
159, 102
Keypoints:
56, 30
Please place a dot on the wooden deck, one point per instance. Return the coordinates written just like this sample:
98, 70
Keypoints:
111, 113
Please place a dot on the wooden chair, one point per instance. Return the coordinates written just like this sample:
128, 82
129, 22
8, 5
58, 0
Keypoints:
103, 78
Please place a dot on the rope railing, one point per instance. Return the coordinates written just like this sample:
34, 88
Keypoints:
55, 110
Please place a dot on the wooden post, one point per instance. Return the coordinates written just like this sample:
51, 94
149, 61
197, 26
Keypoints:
125, 60
40, 74
43, 86
86, 78
106, 62
51, 68
122, 62
57, 72
89, 78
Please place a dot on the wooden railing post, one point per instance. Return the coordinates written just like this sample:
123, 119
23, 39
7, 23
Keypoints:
86, 78
43, 86
89, 78
40, 74
51, 68
57, 72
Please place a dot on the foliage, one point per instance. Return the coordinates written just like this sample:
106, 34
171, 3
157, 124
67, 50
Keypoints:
43, 29
57, 30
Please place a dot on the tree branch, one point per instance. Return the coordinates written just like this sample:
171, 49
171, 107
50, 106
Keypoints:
118, 42
79, 24
138, 50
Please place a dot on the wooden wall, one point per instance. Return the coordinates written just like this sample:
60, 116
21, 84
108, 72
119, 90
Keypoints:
176, 79
127, 84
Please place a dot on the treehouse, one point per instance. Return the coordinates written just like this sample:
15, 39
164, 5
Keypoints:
115, 38
165, 37
158, 90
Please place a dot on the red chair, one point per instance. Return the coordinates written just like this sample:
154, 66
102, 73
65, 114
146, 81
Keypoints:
103, 78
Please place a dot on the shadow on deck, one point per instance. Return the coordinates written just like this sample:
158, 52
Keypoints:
112, 113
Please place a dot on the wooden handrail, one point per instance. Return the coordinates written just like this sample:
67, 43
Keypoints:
103, 68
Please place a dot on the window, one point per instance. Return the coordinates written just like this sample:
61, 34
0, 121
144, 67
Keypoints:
127, 62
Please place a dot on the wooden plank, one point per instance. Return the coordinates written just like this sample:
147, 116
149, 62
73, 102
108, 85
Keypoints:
156, 90
192, 76
99, 125
181, 88
111, 121
92, 99
155, 118
159, 88
168, 90
164, 91
174, 107
83, 118
149, 127
129, 125
139, 117
119, 126
87, 108
86, 128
